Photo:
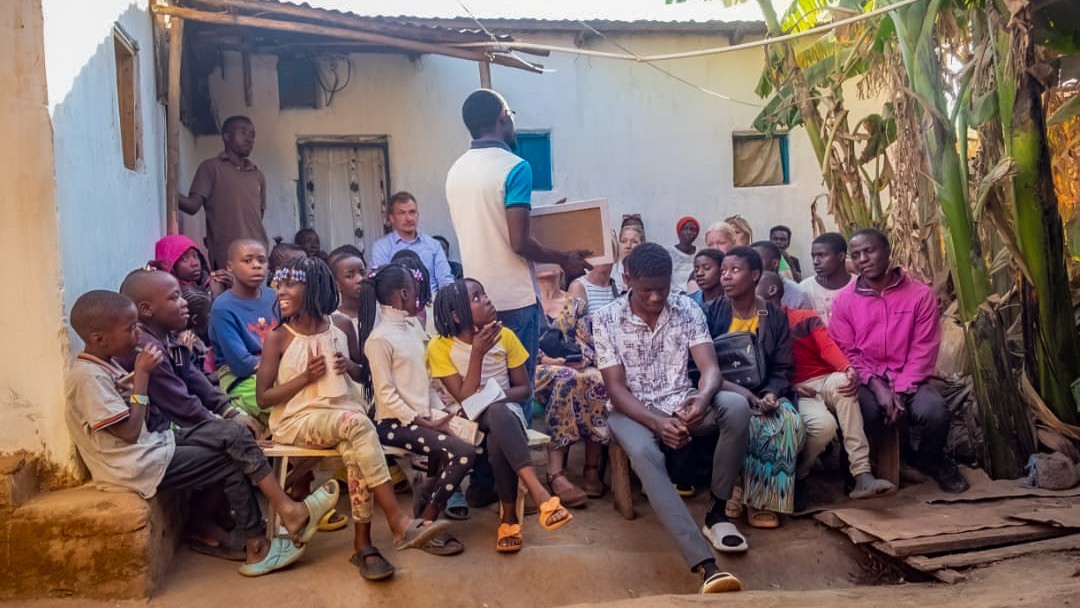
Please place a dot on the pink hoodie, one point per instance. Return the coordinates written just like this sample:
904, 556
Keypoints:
171, 248
894, 334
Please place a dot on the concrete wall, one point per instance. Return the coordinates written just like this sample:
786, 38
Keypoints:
75, 218
619, 130
33, 358
110, 216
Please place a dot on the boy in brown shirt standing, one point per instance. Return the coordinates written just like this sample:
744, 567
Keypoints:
232, 190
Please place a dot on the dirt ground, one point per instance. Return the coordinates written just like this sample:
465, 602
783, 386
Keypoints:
599, 558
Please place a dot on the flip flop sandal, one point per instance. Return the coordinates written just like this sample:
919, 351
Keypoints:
766, 520
318, 503
282, 553
419, 533
733, 508
378, 571
456, 507
218, 551
569, 494
509, 532
725, 530
332, 521
549, 509
443, 545
720, 582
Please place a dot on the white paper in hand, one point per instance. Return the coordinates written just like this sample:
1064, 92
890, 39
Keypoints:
474, 406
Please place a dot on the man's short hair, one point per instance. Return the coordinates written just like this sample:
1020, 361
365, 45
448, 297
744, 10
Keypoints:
399, 197
481, 111
648, 261
97, 310
768, 246
233, 121
876, 234
832, 240
780, 228
748, 255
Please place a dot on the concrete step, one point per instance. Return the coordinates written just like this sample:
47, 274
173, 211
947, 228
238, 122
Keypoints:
88, 543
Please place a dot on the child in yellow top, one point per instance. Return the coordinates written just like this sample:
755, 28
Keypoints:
473, 348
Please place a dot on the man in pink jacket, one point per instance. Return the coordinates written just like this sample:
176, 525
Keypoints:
888, 326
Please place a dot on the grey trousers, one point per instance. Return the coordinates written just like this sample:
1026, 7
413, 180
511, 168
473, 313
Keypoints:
730, 415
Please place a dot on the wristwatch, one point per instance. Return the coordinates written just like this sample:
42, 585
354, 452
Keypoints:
140, 399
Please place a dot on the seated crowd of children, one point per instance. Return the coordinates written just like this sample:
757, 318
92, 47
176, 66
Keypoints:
723, 360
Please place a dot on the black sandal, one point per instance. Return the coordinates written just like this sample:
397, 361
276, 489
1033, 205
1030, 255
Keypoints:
377, 571
444, 545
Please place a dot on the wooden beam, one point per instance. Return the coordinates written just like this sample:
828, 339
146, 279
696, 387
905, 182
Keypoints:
172, 127
338, 19
485, 75
966, 541
335, 32
975, 558
245, 58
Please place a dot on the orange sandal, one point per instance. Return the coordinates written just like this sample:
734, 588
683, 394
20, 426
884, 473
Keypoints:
553, 508
510, 539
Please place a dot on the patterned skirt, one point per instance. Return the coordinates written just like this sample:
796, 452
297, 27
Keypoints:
576, 404
769, 468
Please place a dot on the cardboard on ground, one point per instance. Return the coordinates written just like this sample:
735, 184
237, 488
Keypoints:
576, 225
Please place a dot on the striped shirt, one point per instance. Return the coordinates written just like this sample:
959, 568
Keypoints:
596, 296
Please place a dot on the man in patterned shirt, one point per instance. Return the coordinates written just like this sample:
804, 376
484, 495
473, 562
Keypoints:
642, 342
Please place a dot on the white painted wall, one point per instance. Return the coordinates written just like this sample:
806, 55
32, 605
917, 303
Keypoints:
76, 218
33, 359
110, 216
619, 130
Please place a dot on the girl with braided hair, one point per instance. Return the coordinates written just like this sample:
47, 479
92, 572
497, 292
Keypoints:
302, 377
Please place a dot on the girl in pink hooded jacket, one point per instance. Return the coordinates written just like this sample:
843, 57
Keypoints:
179, 255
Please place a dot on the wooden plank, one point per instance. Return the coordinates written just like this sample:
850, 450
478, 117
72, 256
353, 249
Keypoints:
245, 59
172, 127
975, 558
829, 519
966, 541
485, 75
859, 537
915, 520
340, 33
1066, 517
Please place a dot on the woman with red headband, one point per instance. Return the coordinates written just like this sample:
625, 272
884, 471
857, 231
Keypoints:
682, 253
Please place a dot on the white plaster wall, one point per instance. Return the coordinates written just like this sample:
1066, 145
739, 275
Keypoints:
33, 359
110, 216
619, 130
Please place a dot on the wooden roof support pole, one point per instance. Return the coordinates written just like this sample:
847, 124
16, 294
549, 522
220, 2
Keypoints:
485, 75
172, 126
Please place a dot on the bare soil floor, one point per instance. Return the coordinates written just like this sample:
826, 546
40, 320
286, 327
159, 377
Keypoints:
599, 558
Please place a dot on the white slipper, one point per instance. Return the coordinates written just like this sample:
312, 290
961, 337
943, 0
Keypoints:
718, 532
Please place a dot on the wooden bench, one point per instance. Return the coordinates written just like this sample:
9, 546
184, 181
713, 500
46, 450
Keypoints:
284, 453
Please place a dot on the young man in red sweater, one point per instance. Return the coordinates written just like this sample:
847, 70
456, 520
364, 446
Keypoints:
825, 380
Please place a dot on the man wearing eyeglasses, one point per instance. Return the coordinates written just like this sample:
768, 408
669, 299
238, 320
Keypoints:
489, 192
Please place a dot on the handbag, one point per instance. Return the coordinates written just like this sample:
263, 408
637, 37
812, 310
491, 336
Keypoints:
740, 359
554, 344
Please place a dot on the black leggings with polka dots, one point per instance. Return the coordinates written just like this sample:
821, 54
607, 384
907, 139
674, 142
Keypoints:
454, 456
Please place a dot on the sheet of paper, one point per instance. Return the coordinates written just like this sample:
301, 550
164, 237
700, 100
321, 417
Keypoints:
474, 406
466, 430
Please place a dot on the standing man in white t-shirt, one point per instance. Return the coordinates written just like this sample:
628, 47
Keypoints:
489, 192
829, 255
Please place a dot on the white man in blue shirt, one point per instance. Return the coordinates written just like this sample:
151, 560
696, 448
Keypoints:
404, 216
